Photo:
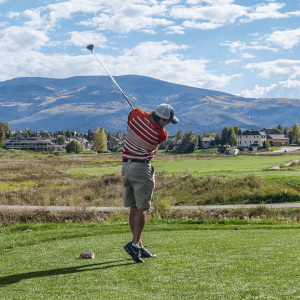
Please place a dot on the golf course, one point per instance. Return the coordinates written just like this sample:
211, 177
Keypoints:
233, 255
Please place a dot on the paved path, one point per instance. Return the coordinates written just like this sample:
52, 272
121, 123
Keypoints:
206, 207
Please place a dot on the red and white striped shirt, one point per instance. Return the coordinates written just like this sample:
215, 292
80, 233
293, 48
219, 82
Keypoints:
143, 136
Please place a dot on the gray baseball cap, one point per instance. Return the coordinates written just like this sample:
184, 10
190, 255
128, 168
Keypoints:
166, 112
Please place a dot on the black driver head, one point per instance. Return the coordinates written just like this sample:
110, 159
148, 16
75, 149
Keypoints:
90, 47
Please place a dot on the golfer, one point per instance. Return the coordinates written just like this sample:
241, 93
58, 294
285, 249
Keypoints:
144, 133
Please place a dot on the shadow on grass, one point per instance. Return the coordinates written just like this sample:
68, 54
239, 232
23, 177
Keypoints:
6, 280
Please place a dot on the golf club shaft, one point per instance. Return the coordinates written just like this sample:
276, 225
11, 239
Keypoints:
112, 79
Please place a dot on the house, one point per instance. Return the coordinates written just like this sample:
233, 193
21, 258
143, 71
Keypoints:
278, 140
173, 141
251, 139
207, 142
114, 143
31, 143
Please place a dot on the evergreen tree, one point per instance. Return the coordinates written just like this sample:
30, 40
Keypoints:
179, 134
225, 135
189, 143
295, 133
218, 139
280, 129
90, 135
200, 143
99, 140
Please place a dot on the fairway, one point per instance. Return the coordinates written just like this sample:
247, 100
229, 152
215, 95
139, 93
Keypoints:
226, 167
191, 264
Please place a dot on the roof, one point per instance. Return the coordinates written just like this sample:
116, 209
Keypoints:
207, 139
278, 137
251, 132
267, 130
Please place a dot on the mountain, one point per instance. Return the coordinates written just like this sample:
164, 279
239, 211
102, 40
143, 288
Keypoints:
82, 103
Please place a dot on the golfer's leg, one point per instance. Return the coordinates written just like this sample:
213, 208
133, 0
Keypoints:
133, 210
139, 224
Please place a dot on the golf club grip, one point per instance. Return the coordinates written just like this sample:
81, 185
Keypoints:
113, 80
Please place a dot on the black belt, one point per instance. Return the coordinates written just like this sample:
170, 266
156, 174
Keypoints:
135, 160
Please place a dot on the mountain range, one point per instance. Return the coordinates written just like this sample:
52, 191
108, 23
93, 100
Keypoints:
87, 102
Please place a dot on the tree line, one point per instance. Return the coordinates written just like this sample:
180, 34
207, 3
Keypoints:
181, 143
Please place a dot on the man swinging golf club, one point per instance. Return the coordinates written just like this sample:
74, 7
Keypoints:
145, 132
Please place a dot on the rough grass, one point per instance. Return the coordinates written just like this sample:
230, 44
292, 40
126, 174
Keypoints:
46, 180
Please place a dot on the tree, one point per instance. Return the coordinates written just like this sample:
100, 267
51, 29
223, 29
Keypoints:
206, 134
189, 143
2, 136
45, 135
6, 128
61, 139
179, 135
68, 134
119, 134
74, 146
110, 135
218, 139
99, 140
232, 137
90, 135
236, 129
200, 144
280, 129
295, 133
225, 135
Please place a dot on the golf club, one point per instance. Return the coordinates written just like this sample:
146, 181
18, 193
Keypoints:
91, 47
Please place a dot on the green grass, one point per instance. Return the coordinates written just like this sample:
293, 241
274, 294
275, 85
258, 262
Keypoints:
235, 166
195, 261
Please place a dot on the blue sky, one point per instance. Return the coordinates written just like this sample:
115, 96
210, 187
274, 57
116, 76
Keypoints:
242, 47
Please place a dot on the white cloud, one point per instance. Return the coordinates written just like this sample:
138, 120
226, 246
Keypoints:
284, 89
16, 37
203, 26
216, 13
286, 39
247, 55
231, 61
149, 31
278, 69
161, 60
86, 38
238, 45
175, 29
263, 11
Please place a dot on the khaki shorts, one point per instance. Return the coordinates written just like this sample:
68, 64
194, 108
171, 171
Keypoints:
139, 183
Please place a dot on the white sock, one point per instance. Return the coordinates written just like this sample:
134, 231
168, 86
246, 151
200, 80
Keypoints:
134, 245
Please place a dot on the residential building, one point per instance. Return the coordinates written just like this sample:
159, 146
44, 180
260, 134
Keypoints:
31, 143
207, 142
251, 139
278, 140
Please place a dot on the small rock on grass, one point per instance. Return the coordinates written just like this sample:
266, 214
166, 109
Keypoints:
88, 254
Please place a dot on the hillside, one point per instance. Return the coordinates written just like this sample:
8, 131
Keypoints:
80, 103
